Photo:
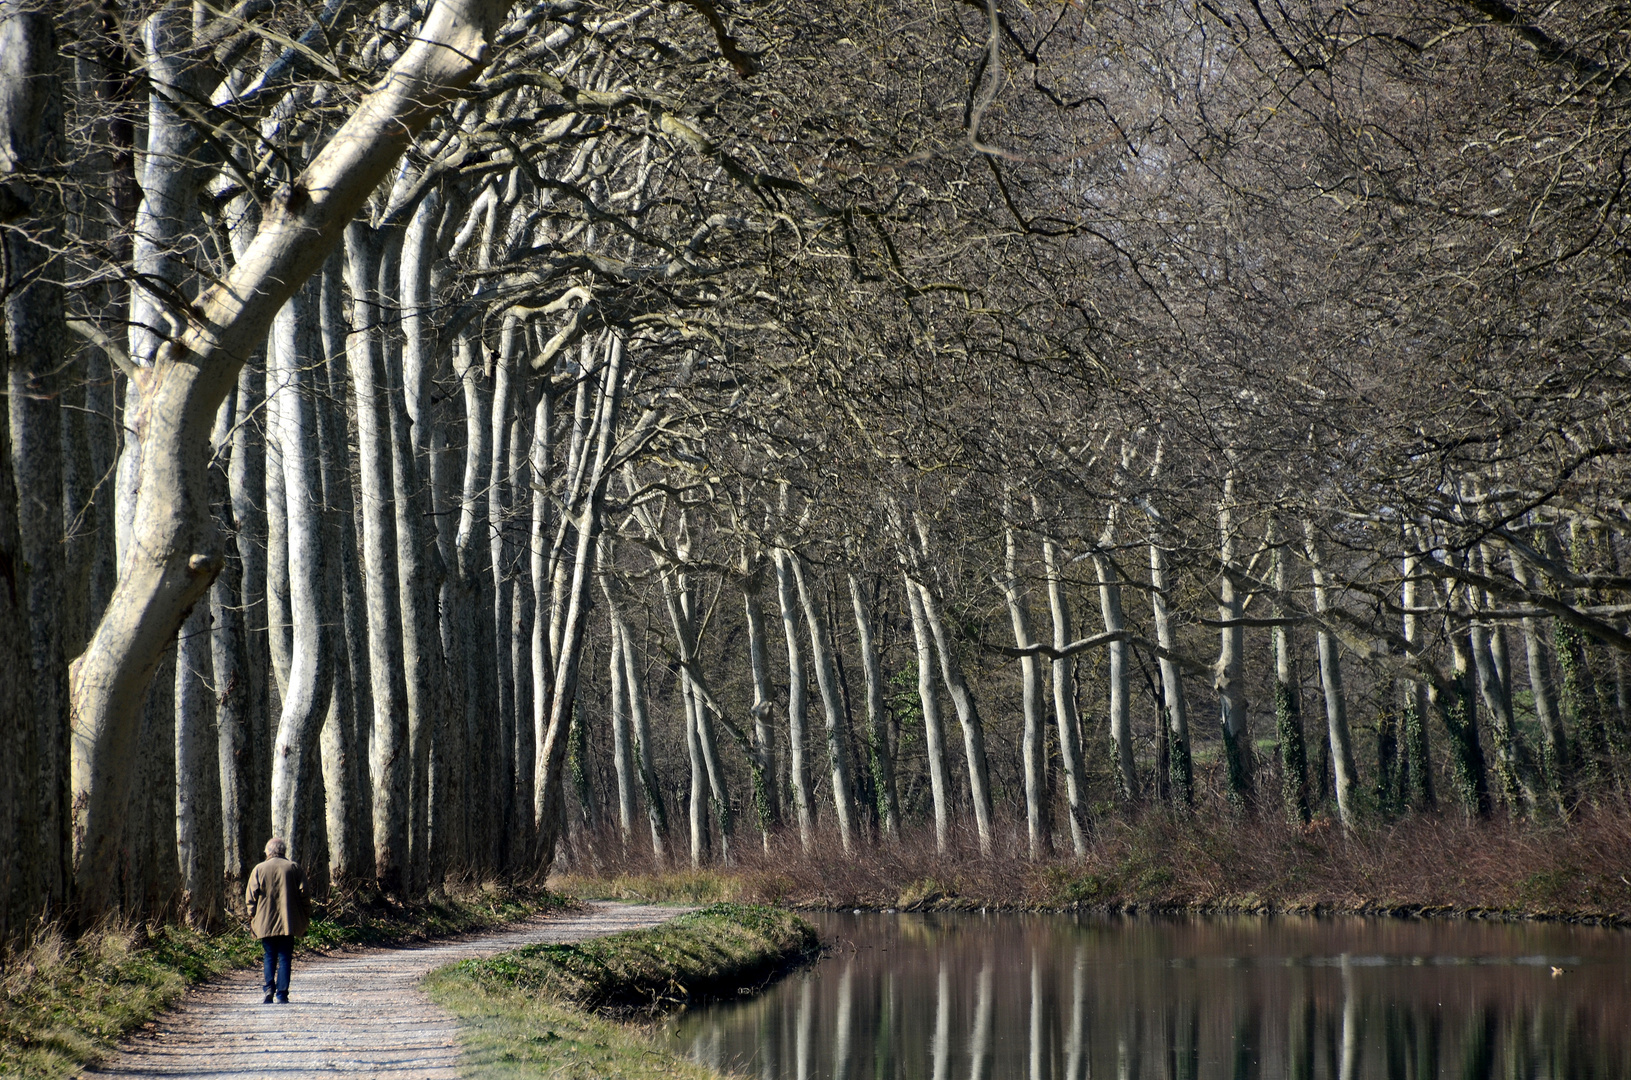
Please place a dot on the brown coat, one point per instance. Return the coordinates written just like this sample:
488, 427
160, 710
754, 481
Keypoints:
276, 898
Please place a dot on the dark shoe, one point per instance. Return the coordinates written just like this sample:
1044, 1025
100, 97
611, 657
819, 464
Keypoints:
283, 999
268, 999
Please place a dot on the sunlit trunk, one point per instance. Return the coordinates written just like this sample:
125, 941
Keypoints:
1064, 701
345, 776
1288, 709
388, 761
313, 612
1229, 681
968, 716
1121, 719
797, 701
934, 739
765, 797
821, 652
1336, 702
1543, 694
879, 753
1180, 767
1037, 832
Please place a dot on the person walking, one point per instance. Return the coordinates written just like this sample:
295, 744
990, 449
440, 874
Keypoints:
279, 912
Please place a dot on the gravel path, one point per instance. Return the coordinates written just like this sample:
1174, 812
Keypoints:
357, 1014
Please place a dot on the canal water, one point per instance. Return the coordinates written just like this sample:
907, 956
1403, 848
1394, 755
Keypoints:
1058, 997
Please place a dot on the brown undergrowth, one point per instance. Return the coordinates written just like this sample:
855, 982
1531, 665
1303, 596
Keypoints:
1425, 865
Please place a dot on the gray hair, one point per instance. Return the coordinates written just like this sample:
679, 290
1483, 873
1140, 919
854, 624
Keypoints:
276, 848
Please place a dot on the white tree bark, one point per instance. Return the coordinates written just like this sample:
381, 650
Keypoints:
879, 751
388, 750
635, 695
345, 787
1064, 700
198, 774
1229, 680
934, 738
764, 744
1336, 704
1115, 622
622, 756
821, 652
1038, 841
297, 349
1172, 681
587, 512
172, 558
1543, 692
797, 699
979, 773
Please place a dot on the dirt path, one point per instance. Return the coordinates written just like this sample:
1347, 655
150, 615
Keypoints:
358, 1014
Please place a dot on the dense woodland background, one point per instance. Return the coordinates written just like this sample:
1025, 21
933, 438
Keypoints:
643, 433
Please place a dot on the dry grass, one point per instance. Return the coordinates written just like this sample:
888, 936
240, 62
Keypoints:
1423, 865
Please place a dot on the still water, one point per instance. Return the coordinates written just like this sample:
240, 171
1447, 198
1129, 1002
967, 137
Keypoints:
1058, 997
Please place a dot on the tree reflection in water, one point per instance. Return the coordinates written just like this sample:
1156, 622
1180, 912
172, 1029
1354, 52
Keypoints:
910, 997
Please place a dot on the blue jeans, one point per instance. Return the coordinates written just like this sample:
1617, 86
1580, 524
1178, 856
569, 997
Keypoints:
279, 953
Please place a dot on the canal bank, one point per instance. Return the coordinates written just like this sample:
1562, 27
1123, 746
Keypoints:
1444, 866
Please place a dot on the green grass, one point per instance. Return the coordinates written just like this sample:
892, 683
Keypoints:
538, 1011
65, 1002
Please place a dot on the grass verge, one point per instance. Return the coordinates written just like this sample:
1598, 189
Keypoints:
65, 1002
541, 1010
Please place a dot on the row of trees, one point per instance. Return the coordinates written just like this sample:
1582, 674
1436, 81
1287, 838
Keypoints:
433, 431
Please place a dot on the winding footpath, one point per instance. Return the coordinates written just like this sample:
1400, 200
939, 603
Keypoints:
356, 1014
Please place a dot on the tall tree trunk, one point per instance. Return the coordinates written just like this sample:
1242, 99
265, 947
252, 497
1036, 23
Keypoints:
173, 555
1543, 692
765, 799
499, 557
345, 787
622, 755
522, 619
701, 845
797, 699
198, 775
934, 738
656, 807
1064, 700
34, 345
420, 565
1417, 753
473, 621
821, 652
1336, 703
1121, 718
541, 456
23, 875
879, 753
229, 661
1230, 679
389, 764
1288, 704
979, 773
1180, 767
1457, 707
296, 348
587, 510
1039, 840
1493, 670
